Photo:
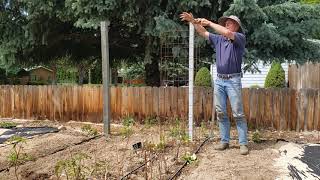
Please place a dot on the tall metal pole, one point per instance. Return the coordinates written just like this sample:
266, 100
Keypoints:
191, 71
105, 76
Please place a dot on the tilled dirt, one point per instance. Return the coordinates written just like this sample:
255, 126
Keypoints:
114, 157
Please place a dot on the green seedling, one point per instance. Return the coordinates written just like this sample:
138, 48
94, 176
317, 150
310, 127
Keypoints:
189, 158
17, 156
73, 168
89, 130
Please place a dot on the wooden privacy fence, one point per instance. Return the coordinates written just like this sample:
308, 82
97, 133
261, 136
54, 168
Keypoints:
281, 109
304, 76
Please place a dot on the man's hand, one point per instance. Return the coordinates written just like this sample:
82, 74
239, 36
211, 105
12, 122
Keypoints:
203, 21
187, 17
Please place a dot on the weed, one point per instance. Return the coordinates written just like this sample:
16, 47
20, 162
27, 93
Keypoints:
89, 130
150, 121
154, 147
128, 121
126, 131
73, 168
8, 125
256, 137
17, 156
179, 133
189, 158
204, 129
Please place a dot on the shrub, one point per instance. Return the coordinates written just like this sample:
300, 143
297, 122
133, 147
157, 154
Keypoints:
275, 76
203, 77
255, 86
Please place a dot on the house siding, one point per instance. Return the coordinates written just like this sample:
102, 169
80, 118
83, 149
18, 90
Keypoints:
41, 74
249, 79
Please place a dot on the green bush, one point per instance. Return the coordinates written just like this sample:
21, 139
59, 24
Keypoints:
203, 77
275, 76
255, 86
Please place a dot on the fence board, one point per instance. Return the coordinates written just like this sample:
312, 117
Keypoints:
208, 103
317, 112
268, 115
162, 100
155, 101
310, 109
174, 102
246, 102
276, 109
253, 107
260, 109
292, 110
304, 76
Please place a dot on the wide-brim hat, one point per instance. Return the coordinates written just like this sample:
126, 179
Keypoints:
222, 21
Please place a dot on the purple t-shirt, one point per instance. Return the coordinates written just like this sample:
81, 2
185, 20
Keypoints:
228, 53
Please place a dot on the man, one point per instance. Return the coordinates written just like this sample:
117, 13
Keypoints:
229, 43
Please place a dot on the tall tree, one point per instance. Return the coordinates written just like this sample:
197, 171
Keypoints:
279, 30
38, 32
145, 19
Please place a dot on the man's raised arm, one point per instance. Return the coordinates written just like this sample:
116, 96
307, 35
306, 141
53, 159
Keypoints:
199, 28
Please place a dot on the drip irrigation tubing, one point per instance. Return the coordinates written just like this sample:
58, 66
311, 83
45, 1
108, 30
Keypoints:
136, 169
59, 150
186, 163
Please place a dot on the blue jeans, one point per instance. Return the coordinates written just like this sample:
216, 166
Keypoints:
224, 88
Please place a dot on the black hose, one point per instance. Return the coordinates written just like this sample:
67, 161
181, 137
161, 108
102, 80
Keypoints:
136, 169
58, 150
186, 163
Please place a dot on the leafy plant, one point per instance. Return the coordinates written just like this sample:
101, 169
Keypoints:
126, 131
275, 76
8, 125
133, 71
99, 169
154, 147
189, 158
89, 130
178, 132
128, 121
204, 129
150, 121
256, 137
17, 156
203, 77
73, 168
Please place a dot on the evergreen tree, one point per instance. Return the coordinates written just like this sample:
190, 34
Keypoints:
279, 30
34, 32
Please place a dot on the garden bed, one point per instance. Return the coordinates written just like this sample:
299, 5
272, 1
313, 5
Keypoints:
164, 149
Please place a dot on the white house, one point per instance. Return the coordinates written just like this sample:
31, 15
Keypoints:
249, 79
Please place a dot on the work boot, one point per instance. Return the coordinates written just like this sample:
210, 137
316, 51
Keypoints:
222, 146
244, 150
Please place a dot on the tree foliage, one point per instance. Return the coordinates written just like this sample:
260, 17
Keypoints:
279, 30
37, 32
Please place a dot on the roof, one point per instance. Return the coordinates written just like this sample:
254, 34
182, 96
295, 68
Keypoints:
38, 67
